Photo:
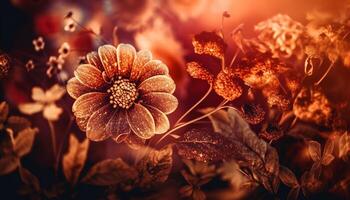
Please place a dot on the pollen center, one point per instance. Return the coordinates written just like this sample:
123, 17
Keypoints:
123, 93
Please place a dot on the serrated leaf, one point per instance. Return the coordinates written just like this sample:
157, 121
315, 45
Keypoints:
8, 164
205, 146
155, 167
209, 43
230, 124
219, 120
241, 131
234, 140
29, 179
24, 141
288, 177
314, 149
110, 172
74, 160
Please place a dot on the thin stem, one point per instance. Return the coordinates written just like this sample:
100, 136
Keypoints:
115, 36
192, 121
222, 27
53, 140
194, 106
60, 148
234, 58
326, 73
89, 30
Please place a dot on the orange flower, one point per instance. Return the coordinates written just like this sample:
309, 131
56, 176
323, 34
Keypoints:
30, 65
55, 65
64, 50
39, 44
70, 25
4, 65
121, 91
282, 36
44, 101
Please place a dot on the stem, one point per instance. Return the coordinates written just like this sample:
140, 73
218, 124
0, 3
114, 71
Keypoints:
60, 148
194, 106
115, 37
234, 58
53, 140
222, 27
192, 121
326, 73
89, 30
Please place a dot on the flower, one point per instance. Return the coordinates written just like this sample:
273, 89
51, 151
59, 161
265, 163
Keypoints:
282, 36
39, 44
225, 83
198, 72
64, 50
70, 25
153, 38
311, 105
209, 43
121, 91
4, 65
45, 102
30, 65
55, 65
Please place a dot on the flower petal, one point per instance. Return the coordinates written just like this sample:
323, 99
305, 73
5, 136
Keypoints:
158, 83
165, 102
142, 57
30, 108
88, 103
82, 122
108, 57
116, 125
152, 68
75, 89
55, 93
38, 94
52, 112
89, 76
134, 142
141, 121
121, 138
94, 60
96, 126
160, 119
126, 55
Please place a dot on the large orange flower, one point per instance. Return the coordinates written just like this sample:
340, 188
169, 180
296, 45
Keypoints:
121, 91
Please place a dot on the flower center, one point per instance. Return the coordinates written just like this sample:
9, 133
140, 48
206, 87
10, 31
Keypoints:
123, 93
